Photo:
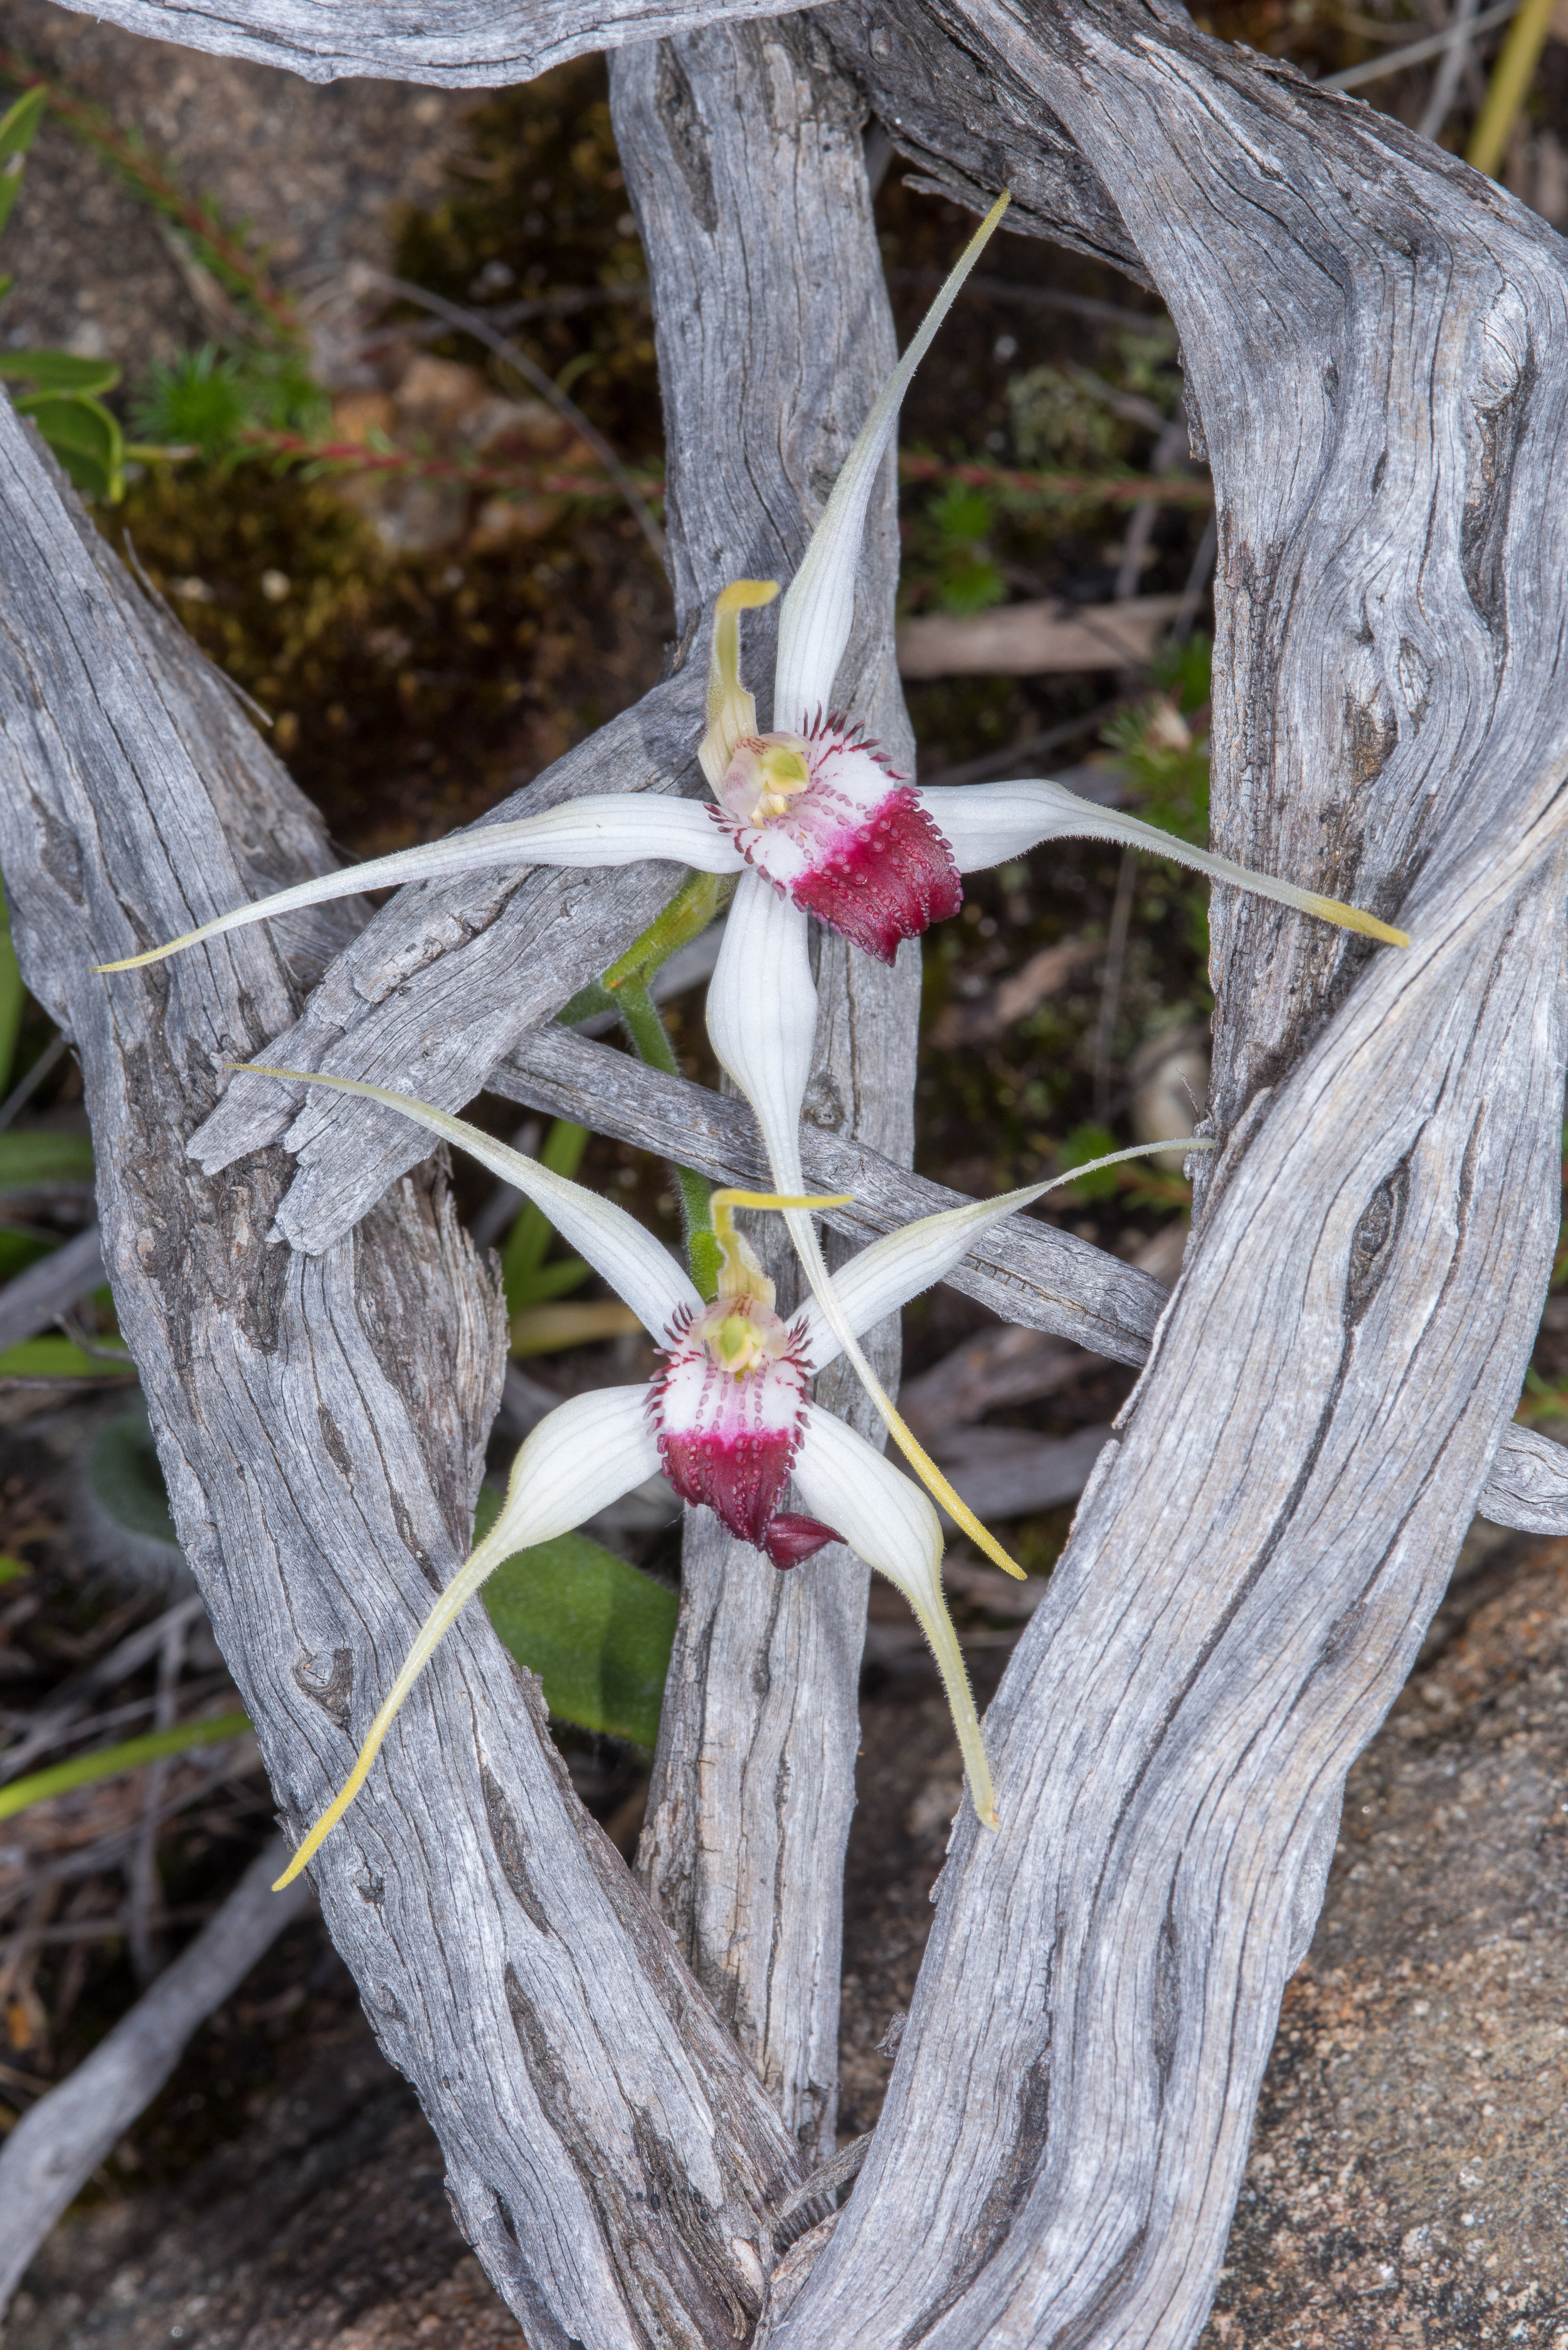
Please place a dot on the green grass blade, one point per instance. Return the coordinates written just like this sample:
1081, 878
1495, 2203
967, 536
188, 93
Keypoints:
107, 1762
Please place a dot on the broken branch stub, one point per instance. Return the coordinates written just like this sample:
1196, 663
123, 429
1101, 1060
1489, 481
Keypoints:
321, 1424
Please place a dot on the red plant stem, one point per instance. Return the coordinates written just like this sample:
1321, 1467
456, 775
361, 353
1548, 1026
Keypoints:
1102, 489
91, 123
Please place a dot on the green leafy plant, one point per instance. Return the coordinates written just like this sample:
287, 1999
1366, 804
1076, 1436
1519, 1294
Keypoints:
597, 1631
209, 401
109, 1761
952, 550
64, 404
61, 1358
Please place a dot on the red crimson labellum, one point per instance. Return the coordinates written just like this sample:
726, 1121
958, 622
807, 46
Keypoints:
728, 1411
848, 841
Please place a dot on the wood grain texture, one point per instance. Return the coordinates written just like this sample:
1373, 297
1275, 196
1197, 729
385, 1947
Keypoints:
1228, 1625
458, 45
321, 1423
1526, 1483
744, 154
1375, 340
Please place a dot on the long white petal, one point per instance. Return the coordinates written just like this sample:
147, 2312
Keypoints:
609, 828
614, 1243
847, 1484
762, 1017
987, 824
580, 1458
901, 1266
583, 1456
817, 615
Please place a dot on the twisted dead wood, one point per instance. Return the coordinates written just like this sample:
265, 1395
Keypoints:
1375, 341
321, 1424
1253, 1567
744, 159
462, 45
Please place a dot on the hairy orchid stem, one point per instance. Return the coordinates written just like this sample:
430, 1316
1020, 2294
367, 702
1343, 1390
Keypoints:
649, 1040
937, 1627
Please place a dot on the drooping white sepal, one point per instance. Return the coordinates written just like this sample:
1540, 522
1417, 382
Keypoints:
987, 824
634, 1264
762, 1017
818, 611
578, 1460
609, 828
583, 1456
892, 1525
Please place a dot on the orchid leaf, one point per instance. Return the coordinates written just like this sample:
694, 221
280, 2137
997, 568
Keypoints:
556, 1280
58, 1358
18, 127
32, 1158
59, 371
84, 436
597, 1631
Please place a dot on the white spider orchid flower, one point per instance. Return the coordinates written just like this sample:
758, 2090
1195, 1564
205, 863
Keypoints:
727, 1419
813, 822
809, 817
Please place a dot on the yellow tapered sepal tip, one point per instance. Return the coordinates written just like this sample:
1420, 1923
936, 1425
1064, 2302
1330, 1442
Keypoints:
153, 954
745, 595
1353, 918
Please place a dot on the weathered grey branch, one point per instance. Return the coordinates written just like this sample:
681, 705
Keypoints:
1527, 1484
1376, 342
744, 155
321, 1425
440, 983
1026, 1271
56, 2147
463, 44
1207, 1687
33, 1299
